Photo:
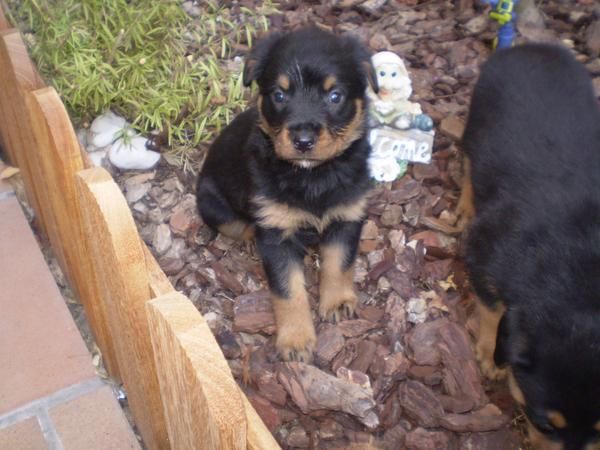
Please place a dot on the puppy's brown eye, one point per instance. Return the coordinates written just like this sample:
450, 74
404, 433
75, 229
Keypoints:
335, 96
278, 96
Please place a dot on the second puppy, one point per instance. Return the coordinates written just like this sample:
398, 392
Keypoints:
533, 248
293, 171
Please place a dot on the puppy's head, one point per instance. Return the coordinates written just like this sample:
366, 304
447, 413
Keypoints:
312, 88
554, 375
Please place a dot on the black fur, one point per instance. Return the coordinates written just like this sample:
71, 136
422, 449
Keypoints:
533, 139
242, 163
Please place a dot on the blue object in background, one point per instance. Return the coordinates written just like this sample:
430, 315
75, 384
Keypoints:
504, 13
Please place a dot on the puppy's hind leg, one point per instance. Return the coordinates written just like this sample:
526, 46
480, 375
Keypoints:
489, 319
465, 208
218, 214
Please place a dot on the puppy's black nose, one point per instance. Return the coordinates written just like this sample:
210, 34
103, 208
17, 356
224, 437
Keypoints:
303, 140
304, 135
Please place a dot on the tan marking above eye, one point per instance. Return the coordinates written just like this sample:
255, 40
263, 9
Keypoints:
597, 426
283, 81
329, 82
557, 419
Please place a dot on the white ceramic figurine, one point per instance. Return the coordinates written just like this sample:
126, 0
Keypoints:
400, 131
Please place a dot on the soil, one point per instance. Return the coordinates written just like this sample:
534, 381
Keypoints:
405, 366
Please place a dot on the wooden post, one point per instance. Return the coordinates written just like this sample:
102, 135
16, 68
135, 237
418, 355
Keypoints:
119, 257
4, 25
202, 402
59, 158
17, 76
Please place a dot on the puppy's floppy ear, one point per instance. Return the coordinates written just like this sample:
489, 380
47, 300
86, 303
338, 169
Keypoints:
371, 75
255, 61
363, 60
512, 340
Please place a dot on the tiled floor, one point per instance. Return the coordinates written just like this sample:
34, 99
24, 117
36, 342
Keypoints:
50, 396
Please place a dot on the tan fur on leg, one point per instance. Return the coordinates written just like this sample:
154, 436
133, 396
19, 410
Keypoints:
338, 298
296, 336
486, 340
465, 208
539, 440
237, 230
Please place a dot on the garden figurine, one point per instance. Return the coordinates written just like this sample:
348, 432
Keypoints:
400, 132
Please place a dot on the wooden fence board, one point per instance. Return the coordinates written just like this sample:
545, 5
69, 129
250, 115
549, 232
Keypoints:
4, 25
59, 157
17, 76
203, 404
92, 232
118, 252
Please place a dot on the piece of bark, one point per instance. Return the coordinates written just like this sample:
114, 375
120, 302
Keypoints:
395, 308
355, 328
457, 405
404, 190
503, 439
429, 375
365, 355
488, 418
330, 342
297, 438
371, 313
330, 429
345, 357
420, 404
354, 376
461, 373
401, 283
453, 127
270, 388
422, 342
396, 365
312, 389
226, 278
265, 409
253, 313
421, 439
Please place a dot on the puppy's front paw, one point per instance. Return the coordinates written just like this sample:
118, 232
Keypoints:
296, 337
335, 306
296, 340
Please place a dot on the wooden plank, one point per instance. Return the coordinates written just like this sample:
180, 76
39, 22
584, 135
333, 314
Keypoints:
17, 76
60, 159
118, 253
202, 402
4, 25
259, 437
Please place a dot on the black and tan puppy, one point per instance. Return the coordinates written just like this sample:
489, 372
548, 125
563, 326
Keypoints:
533, 247
293, 170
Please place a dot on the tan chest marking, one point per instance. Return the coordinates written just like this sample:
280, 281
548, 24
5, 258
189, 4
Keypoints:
272, 214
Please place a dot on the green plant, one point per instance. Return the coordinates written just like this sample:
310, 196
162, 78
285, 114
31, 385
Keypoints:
148, 61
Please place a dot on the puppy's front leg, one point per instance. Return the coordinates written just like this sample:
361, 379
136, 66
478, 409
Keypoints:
283, 263
338, 252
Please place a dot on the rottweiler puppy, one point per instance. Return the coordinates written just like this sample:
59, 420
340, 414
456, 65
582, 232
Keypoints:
533, 247
292, 171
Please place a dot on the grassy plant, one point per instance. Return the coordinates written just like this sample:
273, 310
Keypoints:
148, 61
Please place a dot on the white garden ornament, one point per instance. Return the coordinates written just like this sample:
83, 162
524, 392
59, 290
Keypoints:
111, 135
400, 132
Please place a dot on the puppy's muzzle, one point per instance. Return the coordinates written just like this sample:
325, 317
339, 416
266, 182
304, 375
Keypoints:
304, 136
